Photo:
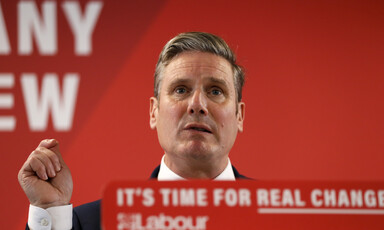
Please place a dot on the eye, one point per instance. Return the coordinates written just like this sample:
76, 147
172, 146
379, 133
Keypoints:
216, 92
180, 90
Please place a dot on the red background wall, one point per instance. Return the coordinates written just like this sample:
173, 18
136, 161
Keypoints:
314, 91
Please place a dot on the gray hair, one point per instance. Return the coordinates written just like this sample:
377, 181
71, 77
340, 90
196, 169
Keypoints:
203, 42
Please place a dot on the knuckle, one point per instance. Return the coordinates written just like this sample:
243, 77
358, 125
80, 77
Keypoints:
40, 168
33, 157
40, 149
44, 141
35, 153
37, 167
37, 161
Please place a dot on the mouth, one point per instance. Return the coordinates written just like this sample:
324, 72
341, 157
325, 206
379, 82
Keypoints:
200, 128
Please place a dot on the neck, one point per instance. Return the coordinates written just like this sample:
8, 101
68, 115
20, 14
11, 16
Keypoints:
196, 168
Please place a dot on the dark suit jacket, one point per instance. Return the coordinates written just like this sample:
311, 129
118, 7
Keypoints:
87, 216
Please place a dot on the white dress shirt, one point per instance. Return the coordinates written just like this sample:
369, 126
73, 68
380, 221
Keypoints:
166, 174
60, 217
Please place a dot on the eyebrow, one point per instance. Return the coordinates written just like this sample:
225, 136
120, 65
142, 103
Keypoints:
178, 81
218, 81
185, 81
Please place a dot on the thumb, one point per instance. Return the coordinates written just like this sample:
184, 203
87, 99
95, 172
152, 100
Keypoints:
53, 145
48, 143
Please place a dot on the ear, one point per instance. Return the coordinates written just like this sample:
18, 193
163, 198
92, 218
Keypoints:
153, 106
240, 115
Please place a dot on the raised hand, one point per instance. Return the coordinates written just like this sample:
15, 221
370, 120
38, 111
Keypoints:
45, 178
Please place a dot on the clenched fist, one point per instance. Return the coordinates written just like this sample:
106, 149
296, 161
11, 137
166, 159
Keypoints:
45, 178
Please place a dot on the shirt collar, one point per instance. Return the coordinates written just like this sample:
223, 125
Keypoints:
166, 174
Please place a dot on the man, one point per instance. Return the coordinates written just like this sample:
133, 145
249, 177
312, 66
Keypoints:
197, 112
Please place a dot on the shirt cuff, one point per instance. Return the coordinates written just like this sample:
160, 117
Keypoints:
58, 217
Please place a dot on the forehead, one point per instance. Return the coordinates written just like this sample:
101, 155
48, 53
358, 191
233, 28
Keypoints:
198, 65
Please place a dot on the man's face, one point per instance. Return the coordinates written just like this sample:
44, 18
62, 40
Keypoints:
195, 115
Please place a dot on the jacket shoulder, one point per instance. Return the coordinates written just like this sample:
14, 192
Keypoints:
87, 216
238, 176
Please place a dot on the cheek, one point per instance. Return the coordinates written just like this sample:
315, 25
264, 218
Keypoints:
171, 113
225, 117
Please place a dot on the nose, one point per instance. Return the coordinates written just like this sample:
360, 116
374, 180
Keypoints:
198, 104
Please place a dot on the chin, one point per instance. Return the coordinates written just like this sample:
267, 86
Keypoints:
197, 151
